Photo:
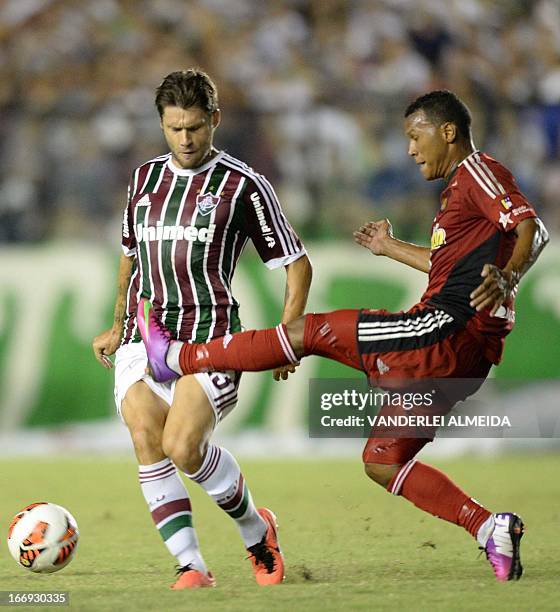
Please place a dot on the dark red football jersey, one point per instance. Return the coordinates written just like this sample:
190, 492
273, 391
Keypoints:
480, 207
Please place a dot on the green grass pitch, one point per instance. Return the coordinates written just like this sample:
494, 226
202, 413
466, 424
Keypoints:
347, 544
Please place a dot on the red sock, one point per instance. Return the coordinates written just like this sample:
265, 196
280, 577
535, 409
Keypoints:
432, 491
250, 351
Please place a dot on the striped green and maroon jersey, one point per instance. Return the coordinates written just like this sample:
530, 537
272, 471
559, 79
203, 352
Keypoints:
187, 229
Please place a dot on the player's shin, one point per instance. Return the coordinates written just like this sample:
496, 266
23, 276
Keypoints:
221, 477
170, 507
249, 351
499, 534
432, 491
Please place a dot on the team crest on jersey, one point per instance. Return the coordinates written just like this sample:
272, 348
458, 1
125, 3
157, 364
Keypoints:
206, 203
438, 237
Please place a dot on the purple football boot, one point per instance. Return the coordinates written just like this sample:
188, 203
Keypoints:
502, 548
157, 339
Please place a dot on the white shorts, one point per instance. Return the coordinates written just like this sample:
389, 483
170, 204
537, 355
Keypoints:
131, 360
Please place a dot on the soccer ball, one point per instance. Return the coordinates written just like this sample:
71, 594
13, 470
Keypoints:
43, 537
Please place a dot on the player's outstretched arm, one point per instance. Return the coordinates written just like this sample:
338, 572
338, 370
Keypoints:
298, 281
108, 342
377, 237
498, 284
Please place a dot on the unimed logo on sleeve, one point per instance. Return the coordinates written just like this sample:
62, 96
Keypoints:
265, 228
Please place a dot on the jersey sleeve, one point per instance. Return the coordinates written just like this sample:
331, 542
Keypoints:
495, 194
274, 238
128, 238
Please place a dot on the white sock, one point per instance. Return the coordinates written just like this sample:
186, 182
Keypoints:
172, 357
485, 530
170, 506
222, 479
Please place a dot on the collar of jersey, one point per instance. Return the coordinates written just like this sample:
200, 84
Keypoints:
448, 180
193, 171
475, 152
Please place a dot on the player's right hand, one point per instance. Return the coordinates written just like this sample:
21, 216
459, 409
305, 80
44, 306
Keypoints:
374, 235
283, 372
106, 344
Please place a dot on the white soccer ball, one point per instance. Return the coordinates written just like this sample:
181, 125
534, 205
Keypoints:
43, 537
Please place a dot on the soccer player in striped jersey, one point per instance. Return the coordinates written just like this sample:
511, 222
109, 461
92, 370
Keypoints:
485, 236
188, 217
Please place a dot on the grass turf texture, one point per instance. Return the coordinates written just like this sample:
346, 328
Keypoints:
347, 543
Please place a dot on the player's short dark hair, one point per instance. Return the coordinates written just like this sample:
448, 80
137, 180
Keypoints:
443, 106
187, 88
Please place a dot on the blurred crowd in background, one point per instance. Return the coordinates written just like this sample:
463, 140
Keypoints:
312, 94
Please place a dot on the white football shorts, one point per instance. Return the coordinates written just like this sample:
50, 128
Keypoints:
131, 360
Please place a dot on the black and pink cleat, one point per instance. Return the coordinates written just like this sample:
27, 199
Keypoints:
502, 548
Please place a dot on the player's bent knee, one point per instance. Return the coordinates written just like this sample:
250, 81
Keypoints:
146, 442
295, 331
380, 473
187, 453
146, 432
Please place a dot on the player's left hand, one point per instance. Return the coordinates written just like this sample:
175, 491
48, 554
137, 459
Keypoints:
496, 287
283, 372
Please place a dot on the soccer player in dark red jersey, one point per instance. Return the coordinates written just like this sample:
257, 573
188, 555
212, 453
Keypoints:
188, 217
485, 236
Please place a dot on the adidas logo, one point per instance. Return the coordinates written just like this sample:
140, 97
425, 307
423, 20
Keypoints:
382, 366
144, 201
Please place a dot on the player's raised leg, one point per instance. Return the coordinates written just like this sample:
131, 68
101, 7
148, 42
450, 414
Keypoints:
331, 335
186, 439
168, 501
